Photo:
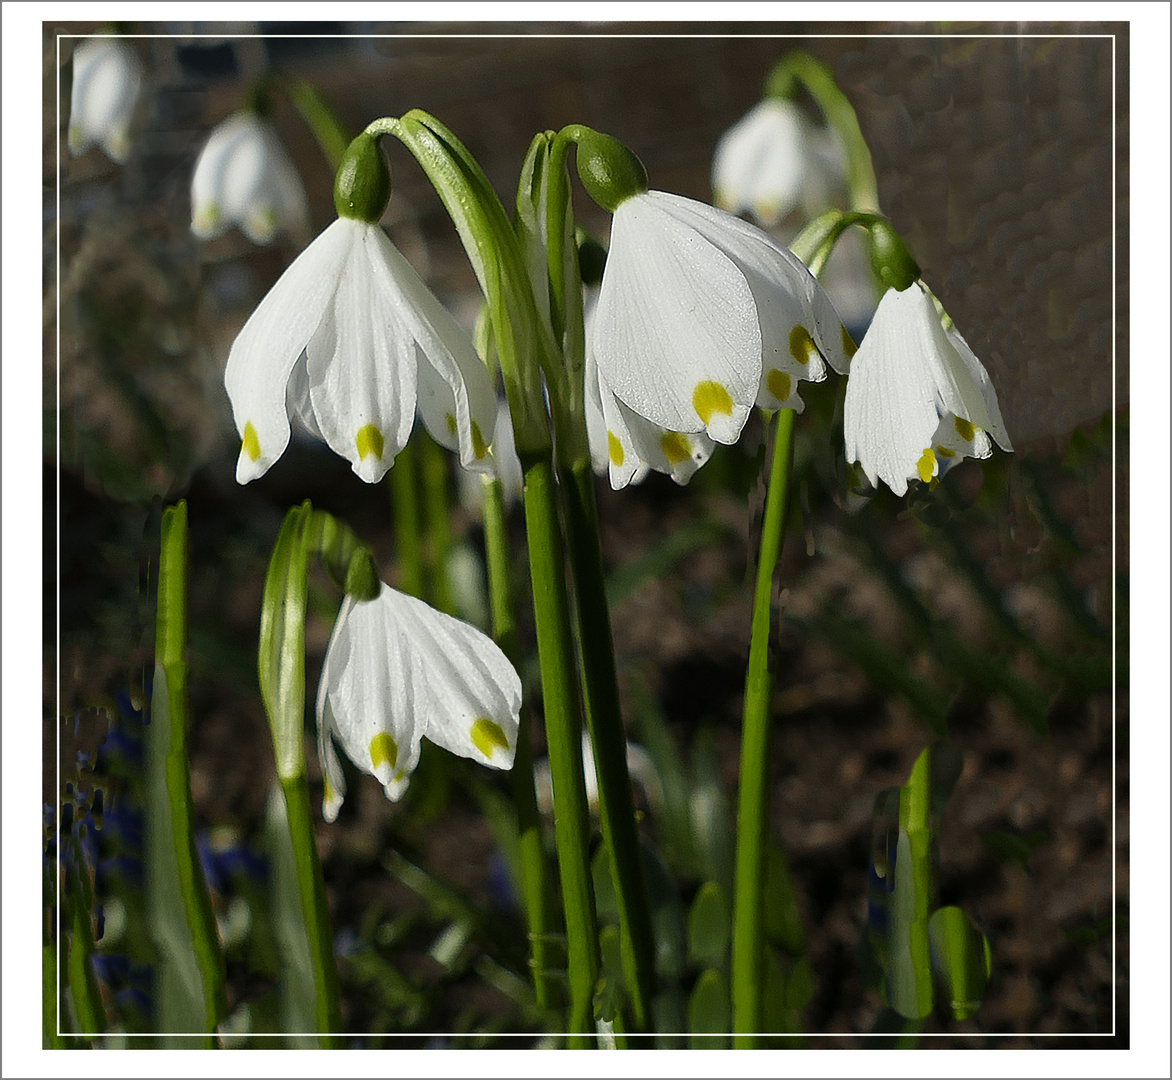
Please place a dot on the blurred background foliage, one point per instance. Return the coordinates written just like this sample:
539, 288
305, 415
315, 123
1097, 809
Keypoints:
980, 612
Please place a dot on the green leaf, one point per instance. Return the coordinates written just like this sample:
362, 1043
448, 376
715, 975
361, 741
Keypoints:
709, 927
710, 1012
961, 959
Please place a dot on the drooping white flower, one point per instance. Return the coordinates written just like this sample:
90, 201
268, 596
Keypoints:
244, 177
772, 160
917, 400
351, 340
396, 671
107, 76
700, 317
640, 766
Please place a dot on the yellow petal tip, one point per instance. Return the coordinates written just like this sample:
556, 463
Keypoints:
487, 735
926, 466
250, 444
369, 440
779, 384
710, 398
675, 446
615, 450
383, 750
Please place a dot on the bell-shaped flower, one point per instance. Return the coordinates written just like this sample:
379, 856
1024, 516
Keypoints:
351, 341
700, 317
244, 177
107, 76
397, 670
917, 400
773, 160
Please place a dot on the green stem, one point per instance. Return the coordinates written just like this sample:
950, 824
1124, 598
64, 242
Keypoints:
540, 912
862, 189
314, 908
321, 120
748, 947
191, 961
604, 717
405, 516
564, 741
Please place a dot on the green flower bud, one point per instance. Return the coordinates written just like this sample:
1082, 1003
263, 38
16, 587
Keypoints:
362, 187
610, 172
362, 581
892, 261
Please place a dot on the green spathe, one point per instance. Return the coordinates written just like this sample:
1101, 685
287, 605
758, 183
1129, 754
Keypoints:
610, 172
362, 187
892, 261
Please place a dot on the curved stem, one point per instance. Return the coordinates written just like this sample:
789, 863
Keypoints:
748, 946
862, 188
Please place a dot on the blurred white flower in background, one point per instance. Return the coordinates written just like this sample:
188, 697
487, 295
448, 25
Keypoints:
773, 161
107, 77
639, 765
918, 400
244, 177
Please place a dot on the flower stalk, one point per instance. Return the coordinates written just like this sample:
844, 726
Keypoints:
748, 945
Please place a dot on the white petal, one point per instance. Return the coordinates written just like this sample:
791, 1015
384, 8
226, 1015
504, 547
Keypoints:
335, 780
362, 367
977, 370
909, 393
786, 293
265, 350
373, 694
760, 162
456, 399
622, 459
473, 694
675, 330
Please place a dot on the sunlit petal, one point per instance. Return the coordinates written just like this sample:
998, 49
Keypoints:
675, 331
264, 352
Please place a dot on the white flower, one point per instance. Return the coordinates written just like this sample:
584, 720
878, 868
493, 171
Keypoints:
244, 177
351, 340
639, 765
397, 670
771, 160
700, 317
917, 400
107, 75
